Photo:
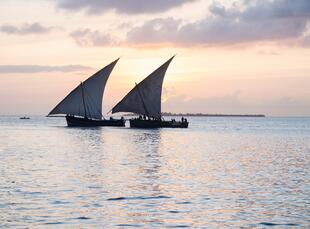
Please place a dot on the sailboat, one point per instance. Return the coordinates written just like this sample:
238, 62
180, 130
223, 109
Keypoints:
83, 105
145, 100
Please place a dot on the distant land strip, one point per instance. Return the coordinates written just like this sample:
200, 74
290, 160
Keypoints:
211, 115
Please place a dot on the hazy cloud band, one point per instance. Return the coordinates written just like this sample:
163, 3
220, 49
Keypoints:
120, 6
25, 29
41, 68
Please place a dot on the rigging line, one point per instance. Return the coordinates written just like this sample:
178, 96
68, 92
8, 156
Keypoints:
88, 110
147, 113
83, 100
81, 109
91, 105
109, 111
87, 105
96, 108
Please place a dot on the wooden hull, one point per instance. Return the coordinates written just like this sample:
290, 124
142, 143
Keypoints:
140, 123
85, 122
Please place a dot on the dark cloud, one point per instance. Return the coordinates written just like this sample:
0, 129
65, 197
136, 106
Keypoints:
121, 6
156, 31
87, 37
257, 21
25, 29
41, 68
265, 10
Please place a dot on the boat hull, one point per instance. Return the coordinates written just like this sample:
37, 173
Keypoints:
148, 124
24, 118
85, 122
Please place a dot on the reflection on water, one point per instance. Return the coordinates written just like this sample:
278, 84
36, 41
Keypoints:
221, 172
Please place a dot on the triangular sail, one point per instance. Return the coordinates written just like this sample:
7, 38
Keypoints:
86, 99
145, 97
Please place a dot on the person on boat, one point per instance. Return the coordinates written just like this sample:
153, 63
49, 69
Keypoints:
144, 117
182, 119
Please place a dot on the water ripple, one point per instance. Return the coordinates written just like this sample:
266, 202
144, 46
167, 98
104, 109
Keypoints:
278, 224
138, 198
219, 173
128, 225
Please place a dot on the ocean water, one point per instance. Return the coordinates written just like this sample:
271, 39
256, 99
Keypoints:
221, 172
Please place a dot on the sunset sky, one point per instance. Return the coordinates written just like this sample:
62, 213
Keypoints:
232, 56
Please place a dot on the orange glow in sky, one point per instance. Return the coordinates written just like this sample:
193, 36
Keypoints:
230, 58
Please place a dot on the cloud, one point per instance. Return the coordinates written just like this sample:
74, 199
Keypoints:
41, 68
255, 21
121, 6
87, 37
304, 40
268, 53
25, 29
233, 104
156, 31
228, 104
278, 21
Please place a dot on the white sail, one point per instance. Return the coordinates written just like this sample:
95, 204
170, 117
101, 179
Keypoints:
145, 97
86, 99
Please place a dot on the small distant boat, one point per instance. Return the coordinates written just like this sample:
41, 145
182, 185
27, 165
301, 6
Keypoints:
83, 105
145, 100
24, 117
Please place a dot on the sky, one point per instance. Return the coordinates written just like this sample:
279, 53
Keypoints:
232, 56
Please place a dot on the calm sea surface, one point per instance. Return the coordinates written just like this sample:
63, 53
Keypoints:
218, 173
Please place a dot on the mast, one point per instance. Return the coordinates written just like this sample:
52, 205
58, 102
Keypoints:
147, 113
91, 90
151, 88
83, 99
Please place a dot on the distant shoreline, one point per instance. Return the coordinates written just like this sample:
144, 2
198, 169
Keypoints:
207, 115
212, 115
